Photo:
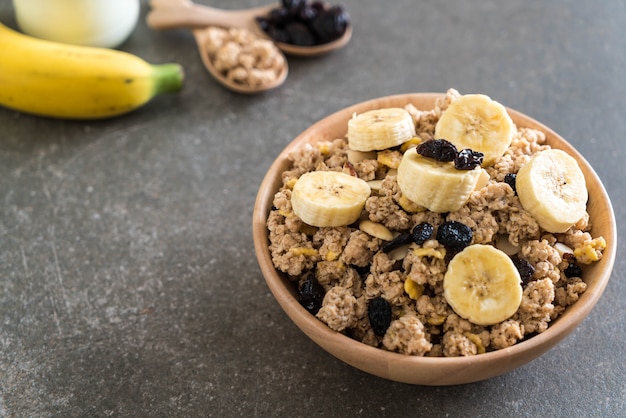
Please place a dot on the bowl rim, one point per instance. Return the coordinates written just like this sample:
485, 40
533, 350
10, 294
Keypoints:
537, 344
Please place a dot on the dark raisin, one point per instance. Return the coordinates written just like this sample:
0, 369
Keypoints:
573, 270
263, 22
300, 34
318, 5
330, 24
279, 16
525, 269
323, 24
569, 257
422, 232
293, 6
308, 13
467, 159
379, 312
311, 294
439, 149
510, 180
399, 241
279, 35
454, 235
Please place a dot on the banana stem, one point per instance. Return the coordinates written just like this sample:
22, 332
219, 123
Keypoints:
168, 78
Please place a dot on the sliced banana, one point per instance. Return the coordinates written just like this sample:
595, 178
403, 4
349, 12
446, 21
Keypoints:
483, 179
329, 198
435, 185
380, 129
475, 121
551, 186
482, 285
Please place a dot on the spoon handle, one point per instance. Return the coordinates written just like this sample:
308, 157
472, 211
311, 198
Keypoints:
172, 14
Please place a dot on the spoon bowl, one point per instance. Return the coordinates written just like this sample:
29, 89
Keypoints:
172, 14
200, 36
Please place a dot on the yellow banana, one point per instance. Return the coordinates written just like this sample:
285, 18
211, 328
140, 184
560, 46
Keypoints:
77, 82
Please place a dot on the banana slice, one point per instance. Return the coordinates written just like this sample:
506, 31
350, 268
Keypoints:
329, 198
475, 121
551, 186
380, 129
482, 285
435, 185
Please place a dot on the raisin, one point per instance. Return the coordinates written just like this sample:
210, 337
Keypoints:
318, 5
422, 232
311, 295
510, 180
299, 23
330, 24
397, 242
379, 312
454, 235
293, 5
569, 257
467, 159
264, 23
300, 34
439, 149
278, 34
573, 270
279, 16
525, 269
308, 13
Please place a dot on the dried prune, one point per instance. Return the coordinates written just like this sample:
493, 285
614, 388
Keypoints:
299, 23
573, 270
330, 24
468, 159
399, 241
308, 13
422, 232
525, 269
278, 34
279, 16
293, 5
510, 180
379, 313
311, 294
318, 5
300, 34
454, 235
439, 149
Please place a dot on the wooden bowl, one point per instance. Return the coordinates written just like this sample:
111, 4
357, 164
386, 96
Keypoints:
430, 370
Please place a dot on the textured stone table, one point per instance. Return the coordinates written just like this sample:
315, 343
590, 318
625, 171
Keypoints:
128, 283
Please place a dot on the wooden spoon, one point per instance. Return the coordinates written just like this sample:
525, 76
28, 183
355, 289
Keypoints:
171, 14
201, 36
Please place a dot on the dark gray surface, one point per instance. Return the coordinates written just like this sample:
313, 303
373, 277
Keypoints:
128, 282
